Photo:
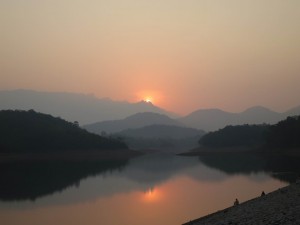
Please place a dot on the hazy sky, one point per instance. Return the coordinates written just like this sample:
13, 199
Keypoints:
185, 54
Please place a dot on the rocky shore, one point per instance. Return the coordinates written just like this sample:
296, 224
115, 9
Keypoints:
279, 207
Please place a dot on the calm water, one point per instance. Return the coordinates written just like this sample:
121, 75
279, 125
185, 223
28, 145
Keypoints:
156, 189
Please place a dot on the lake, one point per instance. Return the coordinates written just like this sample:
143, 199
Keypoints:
154, 189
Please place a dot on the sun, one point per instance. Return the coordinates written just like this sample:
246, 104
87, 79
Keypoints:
148, 100
149, 96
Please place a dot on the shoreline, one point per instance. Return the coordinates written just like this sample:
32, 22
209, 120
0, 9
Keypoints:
71, 156
278, 207
295, 152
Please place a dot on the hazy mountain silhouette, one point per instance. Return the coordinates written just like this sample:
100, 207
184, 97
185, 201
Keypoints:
293, 111
161, 137
135, 121
207, 119
162, 131
74, 107
87, 109
214, 119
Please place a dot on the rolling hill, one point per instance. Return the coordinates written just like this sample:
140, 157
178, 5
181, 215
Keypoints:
161, 137
282, 135
162, 131
135, 121
214, 119
32, 132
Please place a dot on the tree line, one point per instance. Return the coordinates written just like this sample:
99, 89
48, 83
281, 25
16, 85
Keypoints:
30, 131
284, 134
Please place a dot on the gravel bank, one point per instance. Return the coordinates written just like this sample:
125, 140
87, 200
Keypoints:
279, 207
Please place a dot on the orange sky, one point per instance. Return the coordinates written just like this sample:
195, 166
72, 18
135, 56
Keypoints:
185, 55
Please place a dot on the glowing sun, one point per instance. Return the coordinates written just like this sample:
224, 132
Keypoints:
148, 99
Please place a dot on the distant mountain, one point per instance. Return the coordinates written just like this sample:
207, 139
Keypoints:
29, 131
259, 115
162, 137
292, 112
162, 131
214, 119
208, 119
135, 121
74, 107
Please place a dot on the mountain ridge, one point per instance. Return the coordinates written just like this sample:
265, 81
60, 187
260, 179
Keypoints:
88, 109
137, 120
161, 131
214, 119
168, 138
83, 108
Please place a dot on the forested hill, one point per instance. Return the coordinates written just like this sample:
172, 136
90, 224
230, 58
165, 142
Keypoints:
236, 136
285, 134
29, 131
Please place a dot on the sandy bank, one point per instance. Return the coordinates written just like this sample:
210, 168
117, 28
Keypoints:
279, 207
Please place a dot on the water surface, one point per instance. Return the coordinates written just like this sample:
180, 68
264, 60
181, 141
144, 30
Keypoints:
160, 189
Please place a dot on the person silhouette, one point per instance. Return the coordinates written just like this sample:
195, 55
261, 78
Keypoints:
236, 202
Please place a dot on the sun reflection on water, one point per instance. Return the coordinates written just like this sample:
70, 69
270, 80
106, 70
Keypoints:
152, 195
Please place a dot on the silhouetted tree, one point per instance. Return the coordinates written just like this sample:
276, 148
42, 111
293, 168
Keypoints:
285, 134
233, 136
29, 131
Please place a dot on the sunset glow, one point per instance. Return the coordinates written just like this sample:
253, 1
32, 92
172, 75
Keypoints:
103, 103
148, 99
155, 97
186, 55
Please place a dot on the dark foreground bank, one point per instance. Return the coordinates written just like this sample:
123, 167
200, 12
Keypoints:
278, 207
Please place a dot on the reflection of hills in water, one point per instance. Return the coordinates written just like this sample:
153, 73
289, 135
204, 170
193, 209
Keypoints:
22, 181
284, 168
30, 181
155, 168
